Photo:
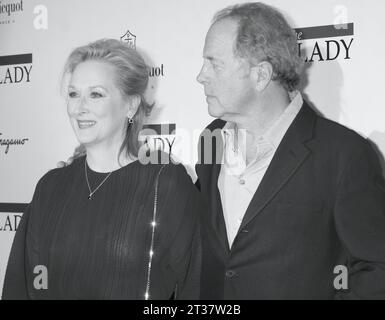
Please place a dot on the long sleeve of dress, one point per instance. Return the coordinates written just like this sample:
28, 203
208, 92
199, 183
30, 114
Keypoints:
189, 284
185, 247
15, 283
18, 271
189, 264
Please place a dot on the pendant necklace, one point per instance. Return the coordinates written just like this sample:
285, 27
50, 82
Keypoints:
88, 183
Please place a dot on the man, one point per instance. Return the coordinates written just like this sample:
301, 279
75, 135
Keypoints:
296, 202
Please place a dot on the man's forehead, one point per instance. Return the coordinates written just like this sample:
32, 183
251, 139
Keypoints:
220, 39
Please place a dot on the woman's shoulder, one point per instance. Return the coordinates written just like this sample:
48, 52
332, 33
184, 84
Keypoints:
163, 165
167, 165
56, 175
49, 183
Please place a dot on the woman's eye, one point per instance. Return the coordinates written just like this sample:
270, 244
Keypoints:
96, 95
72, 94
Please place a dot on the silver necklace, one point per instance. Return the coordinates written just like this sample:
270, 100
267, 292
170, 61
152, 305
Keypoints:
88, 183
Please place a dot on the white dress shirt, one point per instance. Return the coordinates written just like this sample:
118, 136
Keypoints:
237, 181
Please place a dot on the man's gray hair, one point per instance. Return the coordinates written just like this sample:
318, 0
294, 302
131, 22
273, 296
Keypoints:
265, 35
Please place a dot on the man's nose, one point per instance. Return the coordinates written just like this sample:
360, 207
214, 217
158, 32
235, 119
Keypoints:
202, 77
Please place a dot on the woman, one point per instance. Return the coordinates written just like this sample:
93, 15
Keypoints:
108, 226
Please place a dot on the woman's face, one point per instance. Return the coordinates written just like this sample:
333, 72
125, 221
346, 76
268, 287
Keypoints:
95, 106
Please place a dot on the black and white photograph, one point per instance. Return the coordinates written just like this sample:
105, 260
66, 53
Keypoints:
199, 150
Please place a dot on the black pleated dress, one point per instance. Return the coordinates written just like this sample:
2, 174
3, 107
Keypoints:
100, 248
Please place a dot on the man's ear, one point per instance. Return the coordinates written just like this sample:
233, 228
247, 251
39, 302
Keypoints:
133, 105
262, 74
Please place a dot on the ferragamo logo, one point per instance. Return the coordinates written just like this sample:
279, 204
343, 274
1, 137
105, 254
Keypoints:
10, 142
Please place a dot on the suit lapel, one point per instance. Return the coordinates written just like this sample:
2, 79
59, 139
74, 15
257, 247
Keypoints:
290, 155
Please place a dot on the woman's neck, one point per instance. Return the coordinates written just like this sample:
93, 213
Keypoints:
105, 159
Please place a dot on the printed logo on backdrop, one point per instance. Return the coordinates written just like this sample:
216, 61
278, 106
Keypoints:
9, 11
326, 43
15, 69
9, 221
130, 39
6, 143
10, 215
159, 136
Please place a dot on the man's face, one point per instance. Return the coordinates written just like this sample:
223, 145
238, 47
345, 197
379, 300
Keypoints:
225, 77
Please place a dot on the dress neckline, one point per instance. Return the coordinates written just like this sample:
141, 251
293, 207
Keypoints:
132, 163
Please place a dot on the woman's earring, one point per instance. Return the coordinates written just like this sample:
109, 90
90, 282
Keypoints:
130, 120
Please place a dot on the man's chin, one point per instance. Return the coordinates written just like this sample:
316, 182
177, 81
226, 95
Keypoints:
215, 112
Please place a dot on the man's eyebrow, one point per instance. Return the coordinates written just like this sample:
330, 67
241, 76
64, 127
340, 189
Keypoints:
213, 59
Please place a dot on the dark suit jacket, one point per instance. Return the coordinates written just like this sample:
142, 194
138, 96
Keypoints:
320, 204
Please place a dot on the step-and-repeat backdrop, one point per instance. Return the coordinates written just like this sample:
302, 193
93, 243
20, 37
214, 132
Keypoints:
340, 40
